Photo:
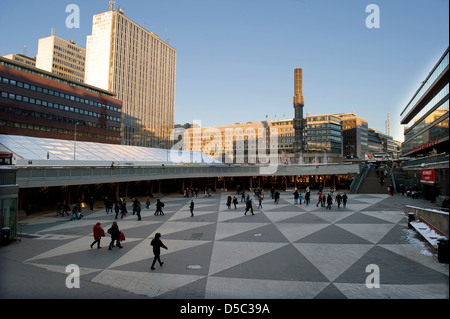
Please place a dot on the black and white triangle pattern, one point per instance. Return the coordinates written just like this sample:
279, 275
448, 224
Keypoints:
284, 251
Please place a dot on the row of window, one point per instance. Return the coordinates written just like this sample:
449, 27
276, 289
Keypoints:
72, 51
48, 129
435, 108
35, 71
52, 117
39, 89
438, 131
26, 99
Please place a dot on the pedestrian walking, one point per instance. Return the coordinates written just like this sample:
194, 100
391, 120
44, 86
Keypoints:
243, 196
76, 212
329, 201
108, 205
99, 232
235, 201
277, 197
117, 208
59, 210
159, 207
296, 195
65, 208
344, 200
157, 244
229, 202
249, 207
319, 201
338, 200
115, 236
300, 198
191, 207
137, 208
260, 199
307, 198
123, 208
91, 203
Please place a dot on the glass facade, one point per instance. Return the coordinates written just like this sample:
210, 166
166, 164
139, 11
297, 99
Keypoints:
426, 115
324, 134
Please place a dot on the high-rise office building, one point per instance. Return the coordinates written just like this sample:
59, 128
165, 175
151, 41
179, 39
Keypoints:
125, 58
61, 57
355, 135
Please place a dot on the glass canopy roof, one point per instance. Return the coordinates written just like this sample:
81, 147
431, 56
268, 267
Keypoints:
32, 148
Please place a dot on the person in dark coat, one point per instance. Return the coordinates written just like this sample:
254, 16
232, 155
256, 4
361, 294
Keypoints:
191, 207
344, 200
338, 200
115, 236
157, 244
249, 207
123, 208
277, 197
229, 202
98, 234
329, 201
159, 206
137, 208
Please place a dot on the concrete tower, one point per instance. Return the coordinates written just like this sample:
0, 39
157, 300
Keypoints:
299, 124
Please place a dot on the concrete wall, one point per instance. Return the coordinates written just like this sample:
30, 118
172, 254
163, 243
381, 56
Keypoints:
435, 218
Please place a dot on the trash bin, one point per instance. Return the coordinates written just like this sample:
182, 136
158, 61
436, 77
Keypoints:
411, 218
443, 250
5, 236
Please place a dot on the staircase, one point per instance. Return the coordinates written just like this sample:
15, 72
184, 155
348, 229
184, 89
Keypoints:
371, 184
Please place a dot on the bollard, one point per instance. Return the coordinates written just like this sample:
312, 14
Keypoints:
5, 236
411, 218
443, 250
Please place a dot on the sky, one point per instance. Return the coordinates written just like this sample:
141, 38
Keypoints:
236, 59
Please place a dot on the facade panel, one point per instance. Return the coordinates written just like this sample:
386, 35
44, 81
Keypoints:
41, 104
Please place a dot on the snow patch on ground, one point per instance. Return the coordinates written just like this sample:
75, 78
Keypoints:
411, 237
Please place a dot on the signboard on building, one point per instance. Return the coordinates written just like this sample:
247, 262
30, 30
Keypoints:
428, 175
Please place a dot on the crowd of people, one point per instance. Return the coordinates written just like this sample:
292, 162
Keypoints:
324, 200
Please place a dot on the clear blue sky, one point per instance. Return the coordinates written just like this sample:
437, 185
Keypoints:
236, 58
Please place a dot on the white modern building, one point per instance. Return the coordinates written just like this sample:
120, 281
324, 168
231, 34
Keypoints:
125, 58
61, 57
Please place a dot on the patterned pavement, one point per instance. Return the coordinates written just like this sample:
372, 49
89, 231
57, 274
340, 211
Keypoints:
284, 251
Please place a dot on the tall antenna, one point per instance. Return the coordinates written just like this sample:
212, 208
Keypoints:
167, 37
112, 5
388, 125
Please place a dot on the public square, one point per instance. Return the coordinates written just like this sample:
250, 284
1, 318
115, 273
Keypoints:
284, 251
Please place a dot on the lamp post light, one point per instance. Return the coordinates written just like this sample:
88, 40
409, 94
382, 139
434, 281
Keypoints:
75, 141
